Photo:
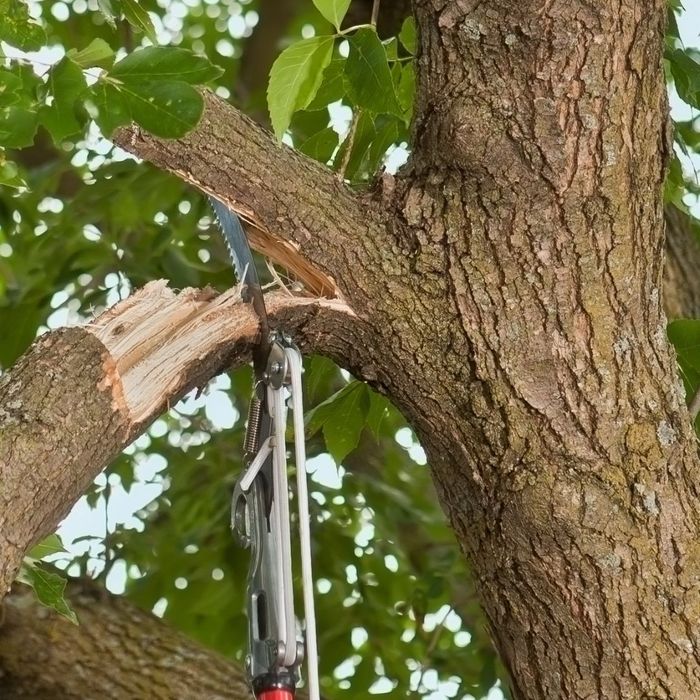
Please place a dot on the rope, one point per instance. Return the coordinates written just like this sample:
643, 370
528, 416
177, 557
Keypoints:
294, 360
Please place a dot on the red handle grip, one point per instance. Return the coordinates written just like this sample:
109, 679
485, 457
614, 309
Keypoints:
276, 694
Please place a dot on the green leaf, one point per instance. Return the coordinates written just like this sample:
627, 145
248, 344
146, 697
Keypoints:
10, 88
405, 85
18, 124
10, 177
321, 145
320, 376
66, 84
685, 336
165, 63
686, 75
387, 129
166, 109
295, 78
137, 17
332, 86
343, 426
97, 53
686, 133
674, 187
391, 46
361, 142
369, 78
92, 497
333, 10
48, 546
377, 412
317, 416
23, 318
18, 120
407, 35
305, 124
672, 32
112, 111
155, 90
18, 28
49, 588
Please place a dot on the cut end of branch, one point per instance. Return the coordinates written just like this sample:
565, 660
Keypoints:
155, 334
160, 342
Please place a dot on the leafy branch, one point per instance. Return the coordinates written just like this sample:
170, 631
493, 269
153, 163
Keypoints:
353, 66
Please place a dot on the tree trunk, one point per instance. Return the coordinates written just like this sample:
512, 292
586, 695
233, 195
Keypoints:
570, 471
505, 292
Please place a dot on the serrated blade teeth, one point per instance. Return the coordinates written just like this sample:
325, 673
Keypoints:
236, 242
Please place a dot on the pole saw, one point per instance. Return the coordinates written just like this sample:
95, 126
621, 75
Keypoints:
260, 517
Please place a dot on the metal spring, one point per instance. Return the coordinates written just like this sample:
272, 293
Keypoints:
250, 445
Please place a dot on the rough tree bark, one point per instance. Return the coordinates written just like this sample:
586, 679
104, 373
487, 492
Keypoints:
118, 652
506, 294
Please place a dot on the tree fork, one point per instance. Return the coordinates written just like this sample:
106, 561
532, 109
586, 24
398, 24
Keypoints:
299, 215
518, 315
508, 288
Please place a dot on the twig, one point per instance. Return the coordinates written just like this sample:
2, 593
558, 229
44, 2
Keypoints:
437, 633
375, 13
350, 140
354, 28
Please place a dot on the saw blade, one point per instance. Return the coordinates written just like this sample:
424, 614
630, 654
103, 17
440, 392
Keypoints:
242, 257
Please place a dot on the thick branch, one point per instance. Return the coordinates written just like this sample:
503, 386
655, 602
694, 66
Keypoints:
117, 652
302, 217
80, 395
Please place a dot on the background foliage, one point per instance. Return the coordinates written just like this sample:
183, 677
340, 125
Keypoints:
82, 224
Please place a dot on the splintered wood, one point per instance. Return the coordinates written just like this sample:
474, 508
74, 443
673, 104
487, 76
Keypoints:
155, 334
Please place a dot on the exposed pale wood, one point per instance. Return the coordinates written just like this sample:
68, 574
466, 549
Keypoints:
154, 338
